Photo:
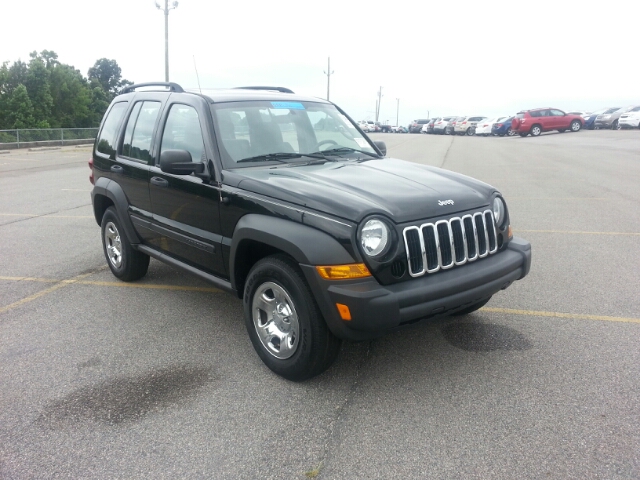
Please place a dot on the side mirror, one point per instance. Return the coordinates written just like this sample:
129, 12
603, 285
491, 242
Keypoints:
178, 162
381, 146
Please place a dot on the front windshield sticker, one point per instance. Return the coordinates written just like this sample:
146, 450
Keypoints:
289, 105
362, 143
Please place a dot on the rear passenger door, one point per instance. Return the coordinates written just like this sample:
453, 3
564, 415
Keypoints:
136, 152
186, 221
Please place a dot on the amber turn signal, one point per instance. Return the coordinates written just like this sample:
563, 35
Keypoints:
344, 272
344, 312
509, 232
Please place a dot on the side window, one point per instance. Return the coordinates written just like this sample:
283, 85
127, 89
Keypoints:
137, 138
535, 114
182, 132
107, 139
557, 113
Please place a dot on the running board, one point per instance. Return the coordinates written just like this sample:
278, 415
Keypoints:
218, 282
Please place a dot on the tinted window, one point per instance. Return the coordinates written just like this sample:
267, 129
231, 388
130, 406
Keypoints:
557, 113
107, 139
182, 132
636, 109
611, 110
137, 137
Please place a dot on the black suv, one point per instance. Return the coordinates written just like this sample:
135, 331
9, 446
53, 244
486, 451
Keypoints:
283, 201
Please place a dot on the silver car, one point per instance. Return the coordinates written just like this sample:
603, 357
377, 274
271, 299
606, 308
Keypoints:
609, 119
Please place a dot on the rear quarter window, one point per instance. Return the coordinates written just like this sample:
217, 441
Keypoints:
109, 132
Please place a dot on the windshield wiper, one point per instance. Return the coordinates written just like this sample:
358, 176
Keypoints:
279, 157
339, 150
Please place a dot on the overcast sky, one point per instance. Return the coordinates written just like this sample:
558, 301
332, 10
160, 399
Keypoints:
445, 58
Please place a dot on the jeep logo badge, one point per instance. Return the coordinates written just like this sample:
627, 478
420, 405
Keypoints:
445, 202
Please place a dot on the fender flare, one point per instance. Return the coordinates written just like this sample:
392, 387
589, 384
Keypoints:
307, 245
107, 188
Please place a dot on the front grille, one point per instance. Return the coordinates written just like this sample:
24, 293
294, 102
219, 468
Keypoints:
441, 245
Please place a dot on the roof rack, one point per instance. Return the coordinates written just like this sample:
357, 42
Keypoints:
173, 87
277, 89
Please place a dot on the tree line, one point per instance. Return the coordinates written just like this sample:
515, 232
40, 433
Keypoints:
45, 93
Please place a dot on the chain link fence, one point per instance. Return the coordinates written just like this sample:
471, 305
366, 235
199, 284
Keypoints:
41, 137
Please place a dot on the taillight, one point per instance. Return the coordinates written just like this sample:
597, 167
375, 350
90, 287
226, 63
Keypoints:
464, 122
91, 179
498, 125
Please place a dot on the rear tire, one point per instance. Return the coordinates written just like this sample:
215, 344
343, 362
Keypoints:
470, 131
284, 322
614, 125
125, 263
562, 130
536, 130
524, 134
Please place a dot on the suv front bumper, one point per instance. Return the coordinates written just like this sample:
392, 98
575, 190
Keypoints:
376, 309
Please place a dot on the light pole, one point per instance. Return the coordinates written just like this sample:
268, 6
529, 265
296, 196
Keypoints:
328, 73
397, 111
166, 11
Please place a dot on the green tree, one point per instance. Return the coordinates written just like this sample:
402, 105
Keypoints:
108, 75
37, 83
71, 98
20, 109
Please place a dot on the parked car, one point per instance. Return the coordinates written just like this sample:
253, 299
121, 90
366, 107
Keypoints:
610, 119
590, 122
467, 126
385, 128
400, 129
364, 126
441, 124
630, 119
450, 128
503, 127
428, 128
416, 125
540, 120
316, 254
584, 115
483, 128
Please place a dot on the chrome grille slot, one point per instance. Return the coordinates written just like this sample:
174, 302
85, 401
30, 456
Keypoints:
446, 243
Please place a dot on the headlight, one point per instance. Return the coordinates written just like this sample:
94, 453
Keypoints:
374, 237
498, 211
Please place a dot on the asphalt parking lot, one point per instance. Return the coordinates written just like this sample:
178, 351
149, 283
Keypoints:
158, 378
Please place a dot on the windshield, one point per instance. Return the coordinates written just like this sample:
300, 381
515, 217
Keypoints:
284, 132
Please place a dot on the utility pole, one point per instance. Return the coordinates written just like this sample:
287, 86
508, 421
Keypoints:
378, 103
166, 11
328, 73
397, 111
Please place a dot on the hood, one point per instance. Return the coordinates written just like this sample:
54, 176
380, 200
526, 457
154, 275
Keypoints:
400, 190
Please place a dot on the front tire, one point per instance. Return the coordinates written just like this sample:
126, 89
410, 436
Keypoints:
125, 263
614, 125
576, 126
536, 130
284, 322
470, 131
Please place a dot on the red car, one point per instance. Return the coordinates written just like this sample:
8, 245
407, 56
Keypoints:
540, 120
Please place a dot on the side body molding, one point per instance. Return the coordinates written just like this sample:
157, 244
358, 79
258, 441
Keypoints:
111, 190
305, 244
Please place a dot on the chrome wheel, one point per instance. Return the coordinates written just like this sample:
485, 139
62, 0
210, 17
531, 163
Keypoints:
275, 320
113, 244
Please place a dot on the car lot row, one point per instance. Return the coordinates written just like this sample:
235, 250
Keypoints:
534, 122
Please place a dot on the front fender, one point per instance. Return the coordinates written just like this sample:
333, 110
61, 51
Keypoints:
305, 244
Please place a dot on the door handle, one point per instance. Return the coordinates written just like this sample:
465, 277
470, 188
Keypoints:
117, 169
159, 182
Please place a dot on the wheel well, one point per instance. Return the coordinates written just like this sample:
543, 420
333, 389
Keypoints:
247, 254
100, 205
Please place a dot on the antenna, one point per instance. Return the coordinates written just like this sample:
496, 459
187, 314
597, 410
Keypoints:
197, 76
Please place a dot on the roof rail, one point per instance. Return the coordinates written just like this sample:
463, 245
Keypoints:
173, 87
277, 89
